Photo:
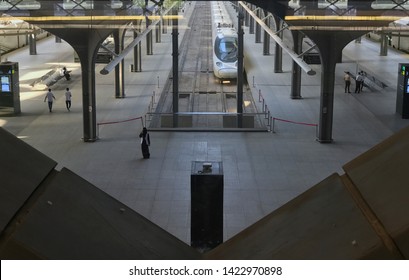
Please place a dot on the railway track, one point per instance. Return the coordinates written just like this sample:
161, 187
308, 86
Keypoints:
200, 92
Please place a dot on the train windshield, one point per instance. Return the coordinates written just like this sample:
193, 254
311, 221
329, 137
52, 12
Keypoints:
226, 49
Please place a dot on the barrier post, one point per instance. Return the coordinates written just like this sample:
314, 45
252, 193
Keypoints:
274, 121
259, 95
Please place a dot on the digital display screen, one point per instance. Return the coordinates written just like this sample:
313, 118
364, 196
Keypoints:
5, 83
407, 85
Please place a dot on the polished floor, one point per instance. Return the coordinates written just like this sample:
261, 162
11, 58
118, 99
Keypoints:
262, 170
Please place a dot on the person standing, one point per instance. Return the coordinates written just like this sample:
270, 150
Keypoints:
358, 80
145, 143
49, 96
363, 74
347, 79
68, 98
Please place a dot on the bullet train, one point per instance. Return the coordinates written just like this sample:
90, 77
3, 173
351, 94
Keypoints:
225, 46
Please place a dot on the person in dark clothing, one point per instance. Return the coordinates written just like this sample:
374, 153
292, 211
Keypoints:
66, 73
145, 143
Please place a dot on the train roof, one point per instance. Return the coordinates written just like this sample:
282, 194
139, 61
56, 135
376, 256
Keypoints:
231, 32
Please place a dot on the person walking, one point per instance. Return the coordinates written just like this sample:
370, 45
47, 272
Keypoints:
68, 98
347, 79
145, 142
49, 96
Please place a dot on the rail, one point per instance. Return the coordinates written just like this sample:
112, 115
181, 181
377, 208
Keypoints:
272, 120
205, 121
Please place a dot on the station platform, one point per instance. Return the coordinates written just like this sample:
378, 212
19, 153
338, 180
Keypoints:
262, 170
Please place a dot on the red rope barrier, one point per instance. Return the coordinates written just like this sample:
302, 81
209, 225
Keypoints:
302, 123
120, 121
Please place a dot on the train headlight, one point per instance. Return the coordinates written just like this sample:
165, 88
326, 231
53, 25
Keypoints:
219, 64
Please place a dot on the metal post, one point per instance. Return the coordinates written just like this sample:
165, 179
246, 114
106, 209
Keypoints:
240, 70
175, 58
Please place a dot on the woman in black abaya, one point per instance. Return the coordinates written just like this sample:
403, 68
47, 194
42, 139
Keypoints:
145, 142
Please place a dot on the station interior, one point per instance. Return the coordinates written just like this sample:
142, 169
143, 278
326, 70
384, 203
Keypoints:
280, 163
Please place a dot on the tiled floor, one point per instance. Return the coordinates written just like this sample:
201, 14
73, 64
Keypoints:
262, 171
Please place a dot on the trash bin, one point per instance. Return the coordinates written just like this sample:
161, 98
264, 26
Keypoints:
206, 205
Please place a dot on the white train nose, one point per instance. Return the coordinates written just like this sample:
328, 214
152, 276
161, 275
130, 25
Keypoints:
227, 73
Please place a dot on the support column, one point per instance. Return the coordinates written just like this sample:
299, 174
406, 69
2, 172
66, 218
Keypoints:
137, 56
296, 73
86, 43
158, 30
149, 39
165, 24
32, 40
330, 45
119, 35
175, 61
384, 45
251, 27
266, 41
258, 28
240, 78
278, 57
246, 19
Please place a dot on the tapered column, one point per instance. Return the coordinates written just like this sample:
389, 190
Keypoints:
330, 45
86, 43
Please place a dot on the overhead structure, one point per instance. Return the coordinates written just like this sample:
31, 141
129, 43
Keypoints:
110, 66
296, 57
